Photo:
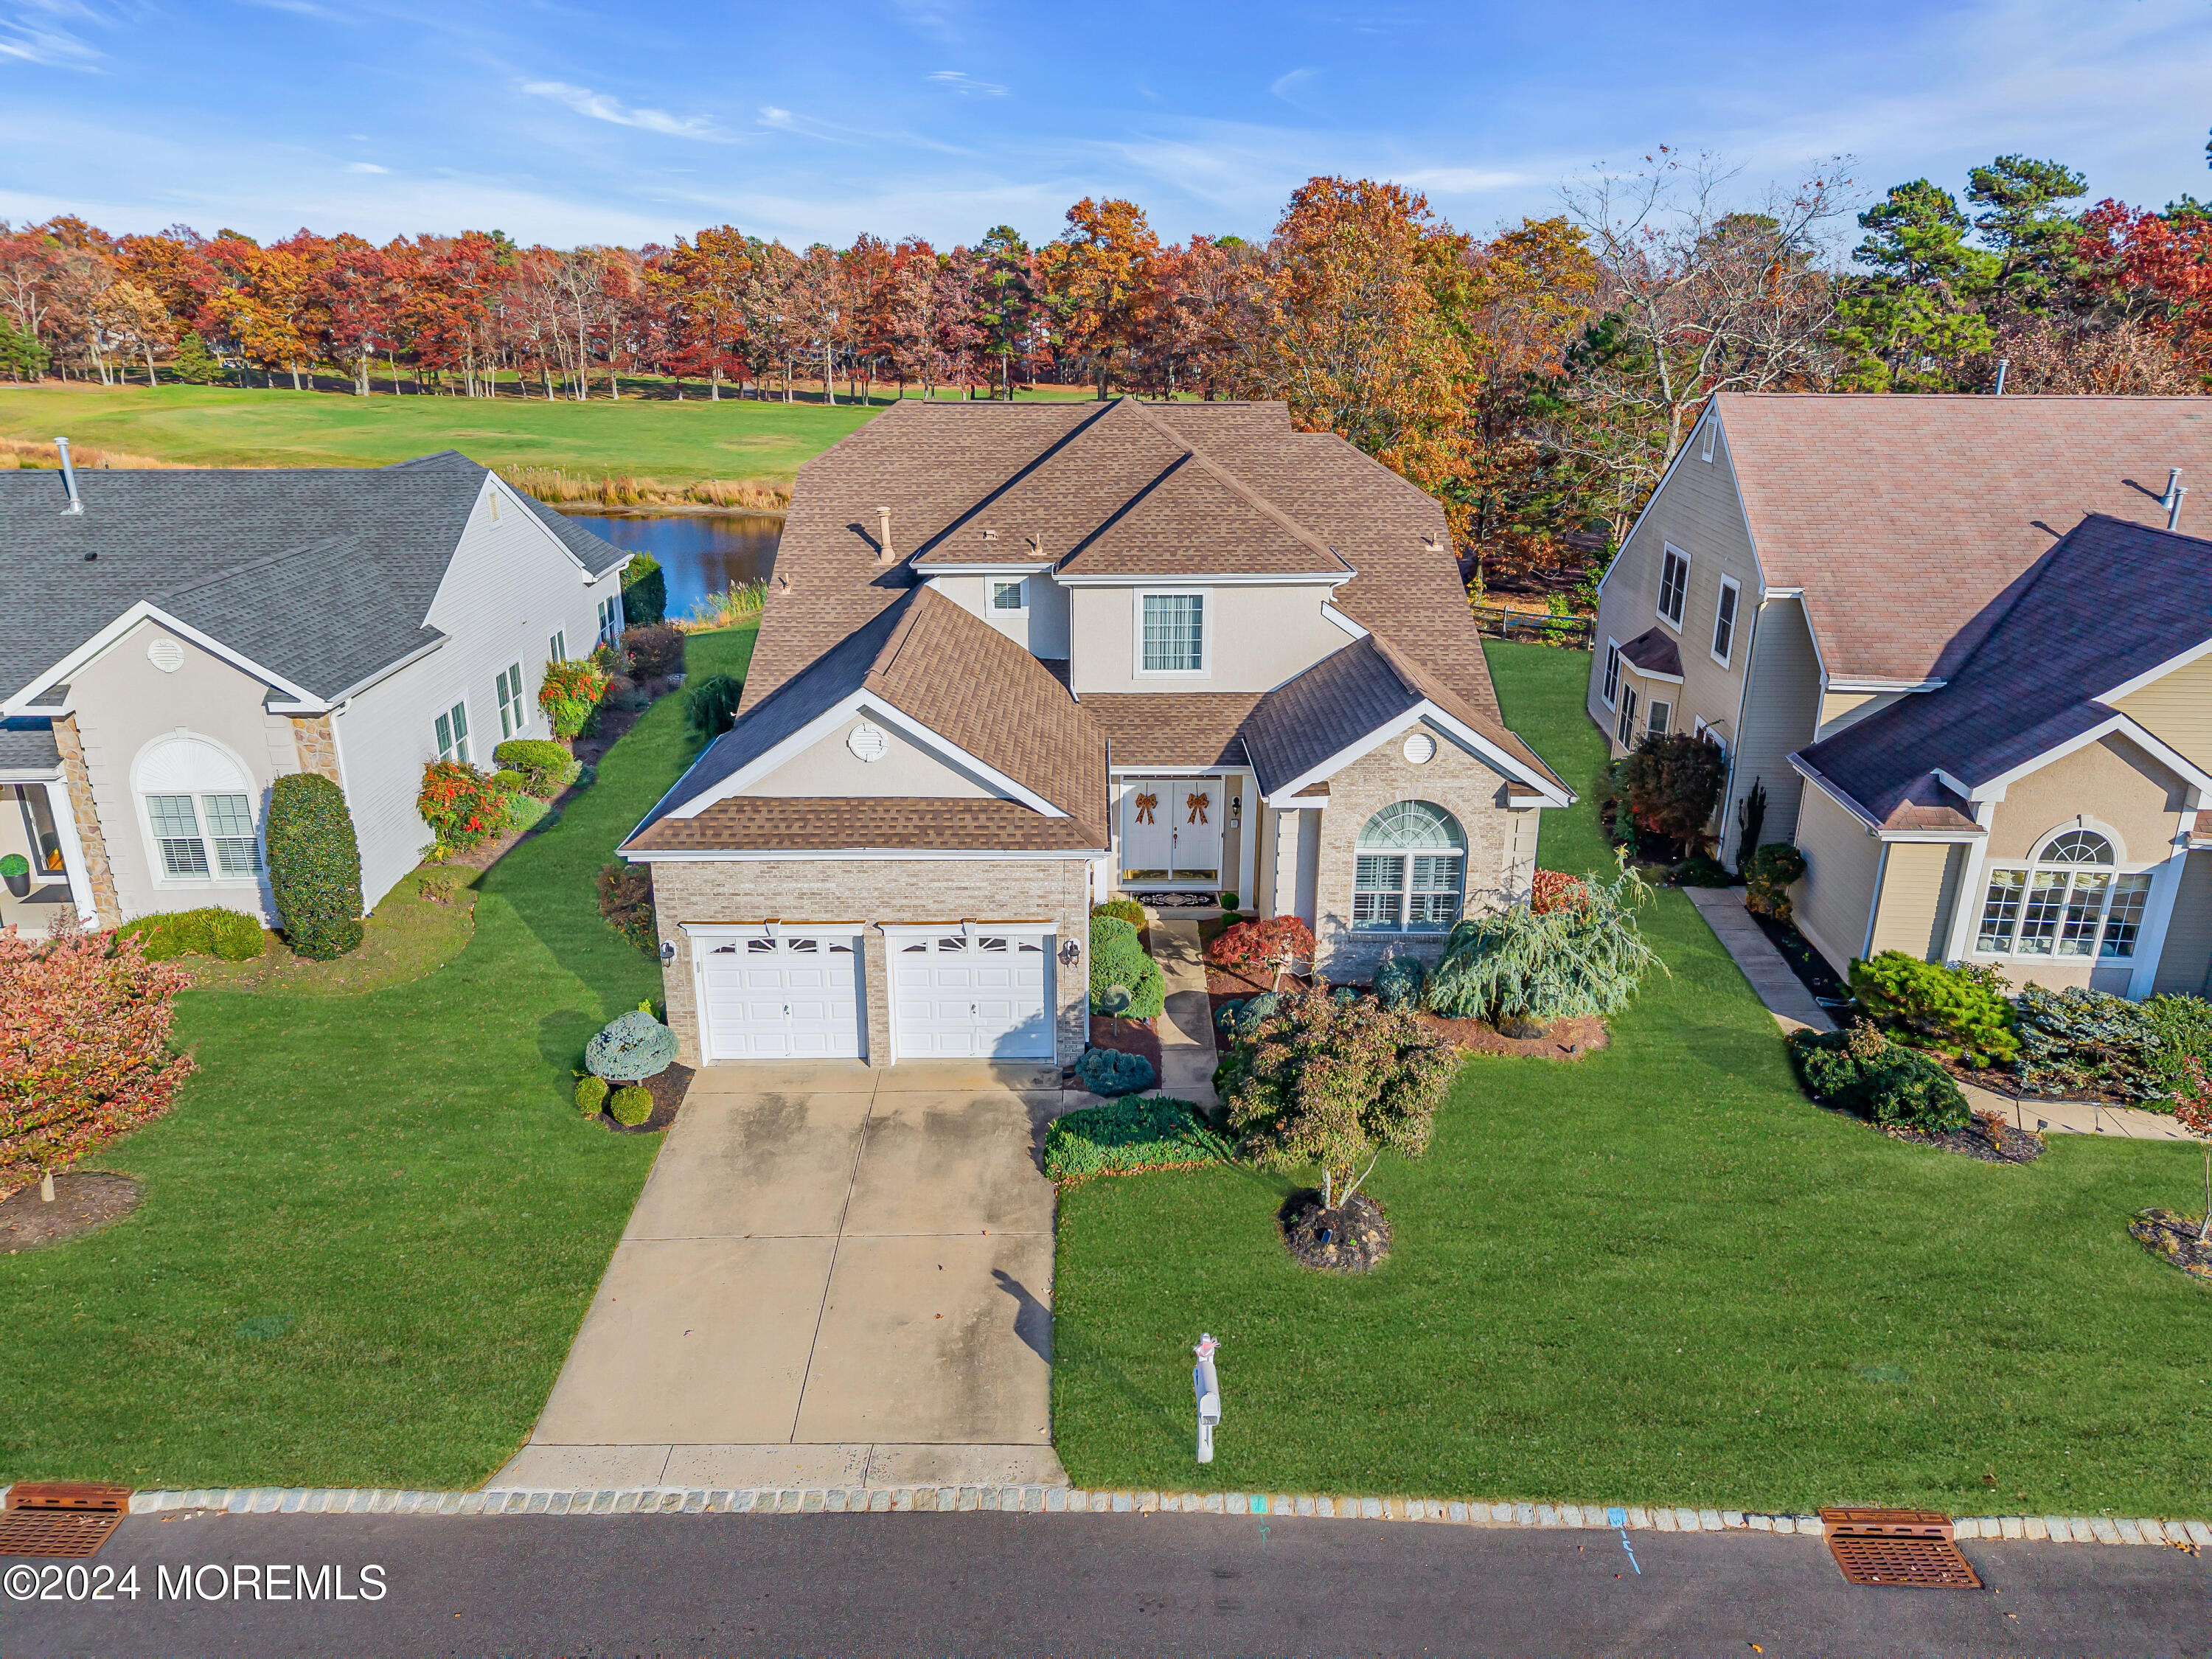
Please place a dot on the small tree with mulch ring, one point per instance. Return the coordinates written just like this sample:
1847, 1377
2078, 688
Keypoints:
2192, 1110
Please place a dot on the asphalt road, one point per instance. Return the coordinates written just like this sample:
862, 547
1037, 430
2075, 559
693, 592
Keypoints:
985, 1583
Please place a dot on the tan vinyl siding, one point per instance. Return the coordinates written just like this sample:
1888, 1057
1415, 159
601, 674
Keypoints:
2182, 965
1843, 862
1918, 882
1840, 709
1778, 711
2179, 710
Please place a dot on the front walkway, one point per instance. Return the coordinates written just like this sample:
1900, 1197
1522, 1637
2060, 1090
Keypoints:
1793, 1008
835, 1276
1186, 1029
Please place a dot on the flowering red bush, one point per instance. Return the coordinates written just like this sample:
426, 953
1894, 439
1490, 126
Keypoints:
570, 695
1555, 890
85, 1051
1277, 945
463, 807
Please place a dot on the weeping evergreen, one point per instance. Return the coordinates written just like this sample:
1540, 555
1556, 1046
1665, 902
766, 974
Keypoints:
1579, 960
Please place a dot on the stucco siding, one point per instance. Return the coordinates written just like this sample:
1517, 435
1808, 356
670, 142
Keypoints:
875, 892
1914, 913
831, 768
1842, 864
1041, 629
2184, 963
1778, 711
2177, 709
2112, 782
1261, 637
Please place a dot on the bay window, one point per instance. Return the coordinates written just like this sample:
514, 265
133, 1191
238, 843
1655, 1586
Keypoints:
2070, 903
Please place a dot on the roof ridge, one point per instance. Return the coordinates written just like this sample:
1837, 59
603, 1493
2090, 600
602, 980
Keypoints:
1026, 470
1250, 496
887, 654
229, 571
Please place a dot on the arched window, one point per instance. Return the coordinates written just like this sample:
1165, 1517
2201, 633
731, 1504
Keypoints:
1412, 870
199, 810
2070, 901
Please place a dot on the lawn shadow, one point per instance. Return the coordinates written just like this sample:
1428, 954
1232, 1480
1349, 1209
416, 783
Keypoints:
562, 1035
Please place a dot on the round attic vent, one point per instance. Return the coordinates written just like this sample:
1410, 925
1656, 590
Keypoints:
166, 655
1420, 749
868, 741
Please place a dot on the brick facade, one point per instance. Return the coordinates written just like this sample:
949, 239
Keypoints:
89, 834
1501, 846
316, 745
877, 892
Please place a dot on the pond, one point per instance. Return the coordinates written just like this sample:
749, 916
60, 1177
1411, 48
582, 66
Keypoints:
699, 553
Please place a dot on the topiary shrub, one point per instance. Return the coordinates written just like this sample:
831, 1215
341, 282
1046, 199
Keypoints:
1399, 982
591, 1095
570, 696
1954, 1010
1767, 878
1109, 1072
545, 768
1121, 909
645, 589
630, 1106
315, 866
632, 1048
1128, 1136
711, 705
1117, 958
626, 902
1862, 1070
1575, 962
656, 651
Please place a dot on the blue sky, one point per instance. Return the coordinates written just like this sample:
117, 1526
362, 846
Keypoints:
584, 121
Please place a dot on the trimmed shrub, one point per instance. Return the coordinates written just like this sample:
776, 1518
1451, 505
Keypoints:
626, 902
230, 935
1129, 1136
645, 589
1121, 909
1118, 957
711, 705
1253, 1010
1109, 1072
315, 866
1228, 902
1924, 1004
1863, 1071
508, 781
570, 696
1398, 982
631, 1107
546, 767
591, 1095
1703, 870
1224, 1016
1580, 961
15, 865
632, 1048
1277, 945
2184, 1024
1672, 784
462, 808
656, 651
1766, 880
2078, 1041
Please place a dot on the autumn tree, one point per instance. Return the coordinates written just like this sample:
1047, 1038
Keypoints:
1095, 280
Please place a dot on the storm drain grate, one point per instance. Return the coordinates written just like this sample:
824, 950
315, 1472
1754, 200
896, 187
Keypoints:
1896, 1547
61, 1518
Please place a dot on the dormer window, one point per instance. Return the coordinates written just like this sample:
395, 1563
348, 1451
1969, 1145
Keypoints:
1010, 598
1172, 634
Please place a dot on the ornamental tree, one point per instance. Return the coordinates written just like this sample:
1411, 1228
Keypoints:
84, 1052
2192, 1110
1277, 945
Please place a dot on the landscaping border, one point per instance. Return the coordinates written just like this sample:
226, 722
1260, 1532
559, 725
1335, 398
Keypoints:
1076, 1500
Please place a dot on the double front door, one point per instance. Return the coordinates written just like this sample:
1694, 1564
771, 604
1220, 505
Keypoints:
1171, 829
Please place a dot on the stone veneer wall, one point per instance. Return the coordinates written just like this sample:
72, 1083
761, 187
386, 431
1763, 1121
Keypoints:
316, 743
1501, 846
875, 891
79, 782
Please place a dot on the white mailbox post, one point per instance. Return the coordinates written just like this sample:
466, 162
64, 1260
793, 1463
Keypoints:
1207, 1386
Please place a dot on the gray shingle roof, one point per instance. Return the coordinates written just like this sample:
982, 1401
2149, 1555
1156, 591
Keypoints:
28, 745
322, 575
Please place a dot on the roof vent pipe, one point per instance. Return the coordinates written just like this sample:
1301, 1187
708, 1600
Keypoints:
883, 553
2004, 363
69, 479
2175, 490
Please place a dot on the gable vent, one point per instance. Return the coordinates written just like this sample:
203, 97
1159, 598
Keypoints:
166, 655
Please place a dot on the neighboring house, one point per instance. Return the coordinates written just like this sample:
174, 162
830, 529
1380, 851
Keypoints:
180, 640
1018, 658
1813, 565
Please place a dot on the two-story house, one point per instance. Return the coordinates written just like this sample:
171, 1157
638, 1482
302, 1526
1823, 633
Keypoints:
180, 639
1837, 588
1018, 658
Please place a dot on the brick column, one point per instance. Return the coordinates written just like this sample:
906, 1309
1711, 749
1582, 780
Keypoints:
317, 745
94, 843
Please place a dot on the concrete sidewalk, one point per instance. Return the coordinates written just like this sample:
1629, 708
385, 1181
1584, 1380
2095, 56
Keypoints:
1186, 1029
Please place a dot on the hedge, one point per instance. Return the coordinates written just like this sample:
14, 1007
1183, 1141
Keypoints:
1862, 1070
315, 866
1124, 1136
546, 767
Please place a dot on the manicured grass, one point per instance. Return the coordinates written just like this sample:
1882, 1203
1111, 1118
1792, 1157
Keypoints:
406, 937
399, 1174
1657, 1275
226, 426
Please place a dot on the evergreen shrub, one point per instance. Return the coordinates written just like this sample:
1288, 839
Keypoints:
631, 1107
1575, 962
1924, 1004
229, 935
711, 705
1862, 1070
315, 866
1128, 1136
591, 1095
1109, 1072
656, 651
645, 589
632, 1048
1118, 957
2078, 1041
1122, 909
1767, 876
1399, 982
546, 767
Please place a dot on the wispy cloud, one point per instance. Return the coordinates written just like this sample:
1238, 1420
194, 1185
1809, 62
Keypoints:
1466, 181
602, 107
40, 31
967, 85
365, 167
1286, 87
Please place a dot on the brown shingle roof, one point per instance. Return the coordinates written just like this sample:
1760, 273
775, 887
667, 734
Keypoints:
1173, 728
1654, 651
1907, 519
802, 823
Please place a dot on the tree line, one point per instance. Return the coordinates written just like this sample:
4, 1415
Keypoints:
1538, 380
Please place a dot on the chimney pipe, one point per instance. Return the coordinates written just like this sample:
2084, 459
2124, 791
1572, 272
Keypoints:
69, 480
2175, 490
2004, 363
883, 553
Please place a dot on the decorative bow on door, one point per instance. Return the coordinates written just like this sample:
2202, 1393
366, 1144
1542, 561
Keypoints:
1198, 801
1145, 806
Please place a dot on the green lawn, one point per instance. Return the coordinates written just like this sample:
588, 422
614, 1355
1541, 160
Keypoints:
399, 1174
224, 426
1658, 1276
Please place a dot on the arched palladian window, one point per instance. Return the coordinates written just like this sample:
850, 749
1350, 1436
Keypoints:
2071, 900
199, 810
1412, 870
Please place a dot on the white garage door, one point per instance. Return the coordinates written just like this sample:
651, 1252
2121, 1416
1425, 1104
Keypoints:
983, 995
795, 998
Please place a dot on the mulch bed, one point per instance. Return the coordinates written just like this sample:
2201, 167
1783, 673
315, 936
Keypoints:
1809, 965
1989, 1139
2007, 1083
82, 1203
1566, 1039
2172, 1237
1128, 1036
667, 1090
1353, 1238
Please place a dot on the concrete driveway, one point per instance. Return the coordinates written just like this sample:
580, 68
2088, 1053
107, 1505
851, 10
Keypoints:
834, 1275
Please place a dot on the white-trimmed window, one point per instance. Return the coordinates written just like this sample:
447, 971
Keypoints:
1673, 585
452, 728
611, 619
199, 811
1725, 620
1706, 731
1660, 721
1705, 448
556, 646
1411, 870
1171, 629
513, 713
1609, 689
1624, 729
2072, 903
1010, 598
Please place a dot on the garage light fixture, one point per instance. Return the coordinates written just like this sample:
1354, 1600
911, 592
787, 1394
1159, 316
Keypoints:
1069, 952
667, 951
